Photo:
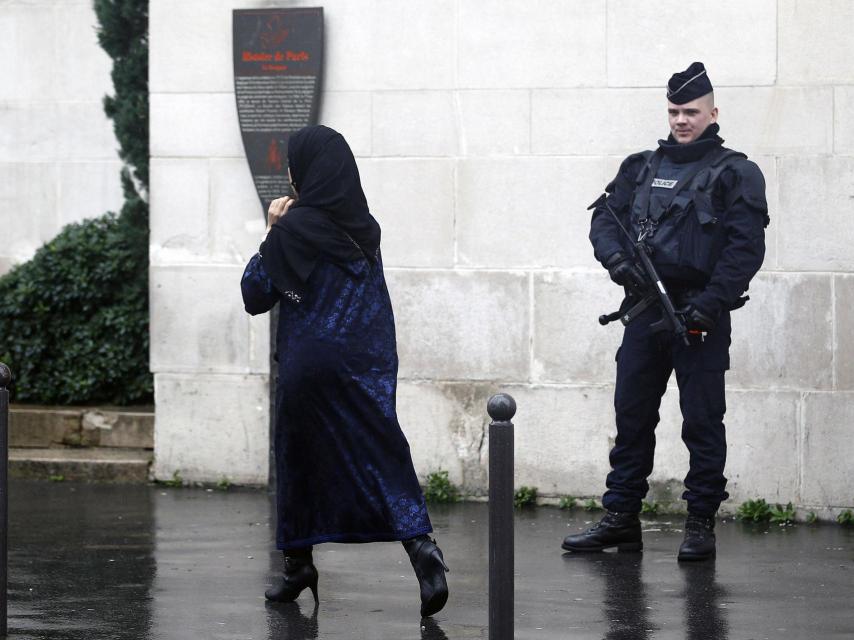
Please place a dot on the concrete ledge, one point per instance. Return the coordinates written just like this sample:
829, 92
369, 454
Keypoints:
38, 426
88, 465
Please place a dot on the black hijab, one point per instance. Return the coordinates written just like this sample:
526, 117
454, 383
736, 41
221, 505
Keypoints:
330, 219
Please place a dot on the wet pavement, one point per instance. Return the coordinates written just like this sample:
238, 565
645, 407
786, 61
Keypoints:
148, 562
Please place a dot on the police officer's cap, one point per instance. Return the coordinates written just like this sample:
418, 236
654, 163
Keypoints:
689, 84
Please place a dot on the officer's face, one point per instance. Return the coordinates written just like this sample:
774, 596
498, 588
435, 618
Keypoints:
689, 120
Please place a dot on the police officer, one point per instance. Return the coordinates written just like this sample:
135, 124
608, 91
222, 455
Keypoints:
701, 210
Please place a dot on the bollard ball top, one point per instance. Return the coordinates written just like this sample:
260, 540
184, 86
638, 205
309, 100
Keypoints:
501, 407
5, 376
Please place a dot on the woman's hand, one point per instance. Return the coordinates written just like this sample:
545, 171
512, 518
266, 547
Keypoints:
278, 208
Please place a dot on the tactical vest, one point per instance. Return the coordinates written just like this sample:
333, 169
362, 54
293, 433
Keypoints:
672, 210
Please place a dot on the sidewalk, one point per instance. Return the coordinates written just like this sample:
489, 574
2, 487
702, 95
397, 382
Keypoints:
147, 562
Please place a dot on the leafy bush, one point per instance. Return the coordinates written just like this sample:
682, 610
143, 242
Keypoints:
525, 496
74, 319
783, 515
754, 510
650, 507
812, 518
846, 518
591, 505
440, 488
567, 502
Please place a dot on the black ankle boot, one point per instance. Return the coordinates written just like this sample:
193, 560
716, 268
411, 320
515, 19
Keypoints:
300, 573
616, 529
699, 542
430, 568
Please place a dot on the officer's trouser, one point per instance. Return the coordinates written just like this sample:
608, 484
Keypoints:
645, 361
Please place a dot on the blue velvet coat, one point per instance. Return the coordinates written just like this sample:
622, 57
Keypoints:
344, 471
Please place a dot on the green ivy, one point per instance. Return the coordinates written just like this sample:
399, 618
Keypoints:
74, 319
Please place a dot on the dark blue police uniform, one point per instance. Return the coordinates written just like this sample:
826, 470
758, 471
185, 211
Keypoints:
702, 210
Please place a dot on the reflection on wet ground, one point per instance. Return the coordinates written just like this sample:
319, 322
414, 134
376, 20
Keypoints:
96, 561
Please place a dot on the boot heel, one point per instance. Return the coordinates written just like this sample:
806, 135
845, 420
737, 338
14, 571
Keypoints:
437, 555
627, 547
313, 587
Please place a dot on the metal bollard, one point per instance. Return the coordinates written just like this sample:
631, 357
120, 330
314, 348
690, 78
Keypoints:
501, 408
5, 380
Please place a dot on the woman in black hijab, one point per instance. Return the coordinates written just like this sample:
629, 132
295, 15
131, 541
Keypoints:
343, 467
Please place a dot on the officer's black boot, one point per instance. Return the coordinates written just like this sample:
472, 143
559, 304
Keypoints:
616, 529
699, 542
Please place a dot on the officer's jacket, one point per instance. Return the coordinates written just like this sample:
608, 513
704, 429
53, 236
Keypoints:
702, 210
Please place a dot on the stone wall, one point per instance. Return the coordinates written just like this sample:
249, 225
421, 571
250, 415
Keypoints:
58, 158
483, 130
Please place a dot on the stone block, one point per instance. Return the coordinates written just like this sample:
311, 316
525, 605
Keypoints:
562, 438
465, 325
843, 303
814, 223
762, 448
815, 47
198, 323
494, 122
77, 131
83, 132
120, 428
551, 43
236, 217
81, 69
645, 46
180, 195
768, 166
195, 125
777, 120
496, 195
210, 427
29, 71
28, 206
828, 475
121, 466
413, 200
843, 127
581, 121
570, 346
414, 123
42, 427
190, 46
445, 425
412, 45
88, 189
349, 112
783, 337
28, 132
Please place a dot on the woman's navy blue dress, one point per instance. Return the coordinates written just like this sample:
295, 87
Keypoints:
344, 471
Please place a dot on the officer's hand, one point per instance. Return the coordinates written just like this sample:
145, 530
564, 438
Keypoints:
697, 320
624, 272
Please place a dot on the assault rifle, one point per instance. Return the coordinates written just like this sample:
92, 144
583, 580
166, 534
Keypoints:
652, 292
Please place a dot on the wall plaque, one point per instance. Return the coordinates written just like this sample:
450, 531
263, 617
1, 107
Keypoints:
278, 56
